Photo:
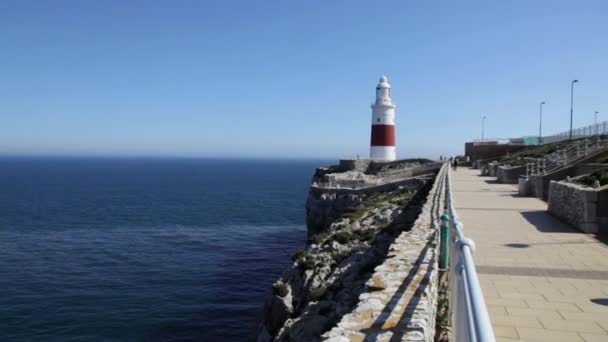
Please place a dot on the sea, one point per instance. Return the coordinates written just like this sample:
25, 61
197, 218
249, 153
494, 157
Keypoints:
144, 249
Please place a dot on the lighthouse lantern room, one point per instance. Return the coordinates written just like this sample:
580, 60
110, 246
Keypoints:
383, 124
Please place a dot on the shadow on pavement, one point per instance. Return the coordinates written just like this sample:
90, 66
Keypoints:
546, 223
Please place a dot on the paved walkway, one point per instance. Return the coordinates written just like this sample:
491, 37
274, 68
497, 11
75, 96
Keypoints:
541, 279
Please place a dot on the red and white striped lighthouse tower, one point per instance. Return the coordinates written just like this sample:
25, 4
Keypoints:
383, 124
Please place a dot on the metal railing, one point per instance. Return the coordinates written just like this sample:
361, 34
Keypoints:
468, 312
566, 156
600, 128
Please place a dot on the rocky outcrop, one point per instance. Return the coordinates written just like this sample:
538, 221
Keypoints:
325, 206
350, 233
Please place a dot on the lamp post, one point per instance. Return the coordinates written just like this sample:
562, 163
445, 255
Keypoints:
571, 104
540, 125
483, 127
595, 122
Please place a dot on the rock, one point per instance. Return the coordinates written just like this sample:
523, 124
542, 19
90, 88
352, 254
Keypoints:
327, 282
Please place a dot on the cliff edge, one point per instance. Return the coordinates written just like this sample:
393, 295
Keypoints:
354, 218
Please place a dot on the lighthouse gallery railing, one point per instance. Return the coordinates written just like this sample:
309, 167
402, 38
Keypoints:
468, 312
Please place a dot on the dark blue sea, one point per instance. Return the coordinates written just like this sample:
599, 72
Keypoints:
144, 249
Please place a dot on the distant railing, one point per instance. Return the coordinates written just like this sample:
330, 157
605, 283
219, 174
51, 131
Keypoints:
600, 128
566, 156
468, 312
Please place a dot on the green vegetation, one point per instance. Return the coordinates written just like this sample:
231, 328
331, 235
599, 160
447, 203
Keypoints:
317, 293
298, 255
355, 213
318, 239
537, 151
590, 179
343, 237
365, 235
339, 256
379, 201
280, 289
602, 160
307, 263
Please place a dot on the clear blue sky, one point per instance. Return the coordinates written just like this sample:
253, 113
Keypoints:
291, 78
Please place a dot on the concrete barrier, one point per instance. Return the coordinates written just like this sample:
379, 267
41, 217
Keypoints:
510, 174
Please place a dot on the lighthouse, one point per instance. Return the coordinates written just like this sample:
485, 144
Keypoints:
383, 124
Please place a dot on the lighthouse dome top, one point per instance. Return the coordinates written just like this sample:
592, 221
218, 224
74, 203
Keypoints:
383, 82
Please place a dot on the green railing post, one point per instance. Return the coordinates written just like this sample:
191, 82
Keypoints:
444, 242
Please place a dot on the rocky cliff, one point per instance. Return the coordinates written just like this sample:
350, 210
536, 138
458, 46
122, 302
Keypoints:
349, 235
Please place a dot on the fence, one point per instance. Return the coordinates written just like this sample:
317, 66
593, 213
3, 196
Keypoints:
601, 128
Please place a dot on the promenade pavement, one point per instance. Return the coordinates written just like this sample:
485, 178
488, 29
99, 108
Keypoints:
542, 279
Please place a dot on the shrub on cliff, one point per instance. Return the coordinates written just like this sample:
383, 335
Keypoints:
280, 289
365, 235
317, 293
298, 255
307, 263
339, 256
317, 239
343, 237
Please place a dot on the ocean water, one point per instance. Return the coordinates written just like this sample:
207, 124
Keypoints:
144, 249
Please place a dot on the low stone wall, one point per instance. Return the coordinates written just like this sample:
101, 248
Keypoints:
583, 207
354, 165
510, 174
400, 300
411, 182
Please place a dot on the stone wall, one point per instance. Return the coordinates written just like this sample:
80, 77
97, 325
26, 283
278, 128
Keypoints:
354, 165
510, 174
583, 207
332, 178
400, 299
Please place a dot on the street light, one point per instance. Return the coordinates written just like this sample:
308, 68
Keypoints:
540, 126
572, 104
596, 113
483, 127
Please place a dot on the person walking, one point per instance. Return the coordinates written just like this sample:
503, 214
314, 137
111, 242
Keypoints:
455, 164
